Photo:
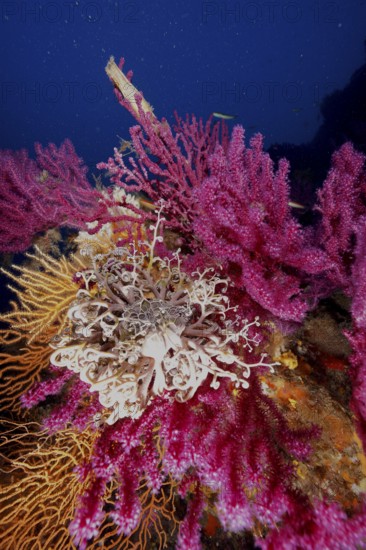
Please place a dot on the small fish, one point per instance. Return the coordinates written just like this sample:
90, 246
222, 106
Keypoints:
224, 116
146, 203
297, 110
294, 204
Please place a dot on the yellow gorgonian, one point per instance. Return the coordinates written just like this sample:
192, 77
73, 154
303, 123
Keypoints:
45, 289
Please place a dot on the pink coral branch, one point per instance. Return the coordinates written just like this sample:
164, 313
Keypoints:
41, 390
245, 221
169, 163
37, 195
341, 202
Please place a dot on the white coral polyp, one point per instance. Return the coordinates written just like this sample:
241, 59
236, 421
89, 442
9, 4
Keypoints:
141, 327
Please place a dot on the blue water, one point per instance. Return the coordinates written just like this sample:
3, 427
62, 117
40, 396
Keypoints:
268, 62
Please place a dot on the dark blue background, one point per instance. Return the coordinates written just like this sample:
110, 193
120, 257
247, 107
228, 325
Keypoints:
268, 62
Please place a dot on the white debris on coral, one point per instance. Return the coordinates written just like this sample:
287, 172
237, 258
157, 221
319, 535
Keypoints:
104, 239
141, 327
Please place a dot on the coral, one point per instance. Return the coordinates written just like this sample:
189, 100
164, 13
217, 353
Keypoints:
195, 445
335, 470
325, 525
357, 340
123, 225
245, 221
38, 486
169, 164
342, 234
168, 438
341, 202
357, 336
358, 276
36, 195
44, 292
143, 361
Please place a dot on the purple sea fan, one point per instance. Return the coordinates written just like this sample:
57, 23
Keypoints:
236, 447
245, 221
323, 525
342, 234
168, 162
37, 195
357, 337
39, 391
341, 202
232, 444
